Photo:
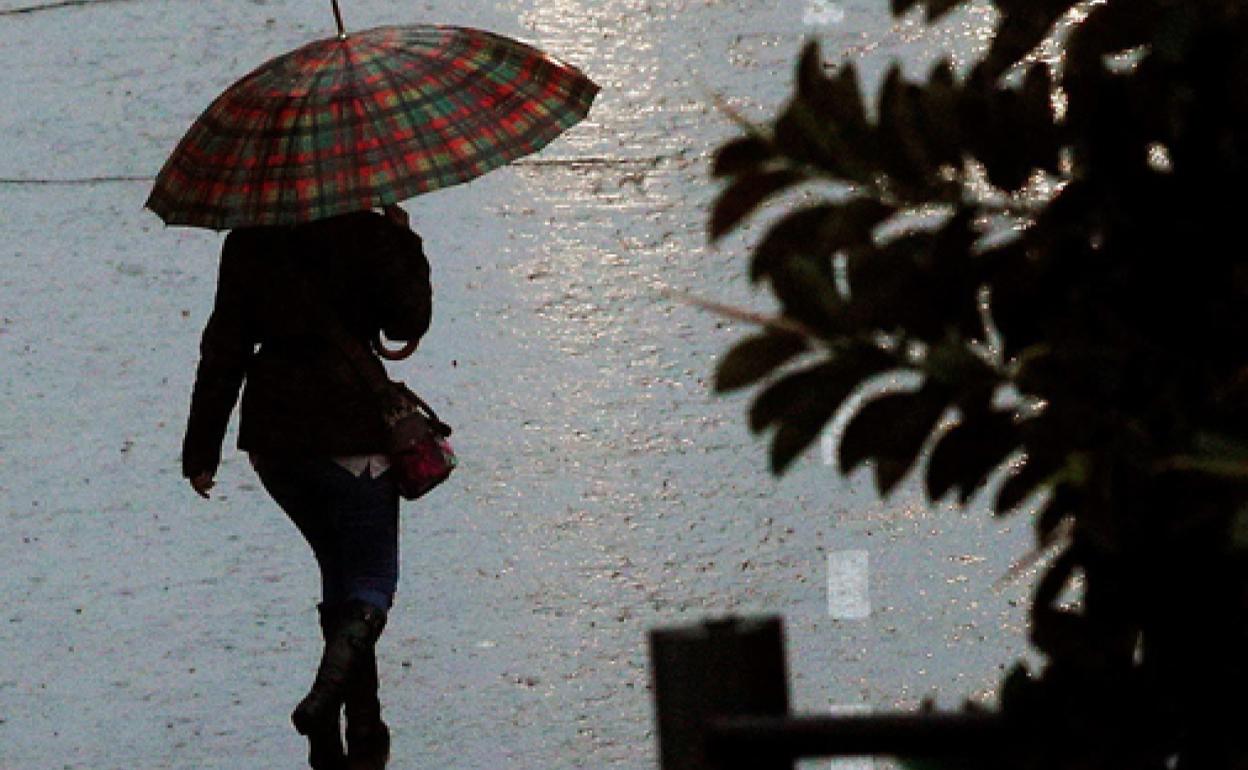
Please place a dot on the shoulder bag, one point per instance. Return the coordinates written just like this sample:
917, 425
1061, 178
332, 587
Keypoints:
421, 458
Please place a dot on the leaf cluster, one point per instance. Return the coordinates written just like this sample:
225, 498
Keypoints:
1054, 254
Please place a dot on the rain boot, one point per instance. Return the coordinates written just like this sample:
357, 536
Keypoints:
325, 750
352, 640
368, 737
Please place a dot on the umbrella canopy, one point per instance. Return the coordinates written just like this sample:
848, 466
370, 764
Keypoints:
359, 121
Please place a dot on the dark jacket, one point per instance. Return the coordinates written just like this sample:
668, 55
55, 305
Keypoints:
368, 272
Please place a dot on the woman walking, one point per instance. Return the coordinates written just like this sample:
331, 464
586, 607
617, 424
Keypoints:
342, 124
315, 432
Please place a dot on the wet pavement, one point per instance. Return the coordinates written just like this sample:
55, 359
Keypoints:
603, 492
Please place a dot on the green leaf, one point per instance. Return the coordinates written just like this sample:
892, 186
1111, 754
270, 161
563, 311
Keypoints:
936, 9
890, 430
953, 364
1231, 447
1037, 90
1021, 29
952, 284
800, 431
807, 139
807, 409
811, 79
807, 292
1005, 153
938, 108
886, 284
1061, 505
1218, 455
942, 74
902, 150
1056, 577
872, 273
755, 358
1042, 143
826, 122
746, 194
974, 111
899, 7
1113, 27
775, 401
967, 454
925, 282
1060, 634
743, 155
1016, 690
835, 379
817, 232
797, 234
1030, 278
845, 104
1037, 469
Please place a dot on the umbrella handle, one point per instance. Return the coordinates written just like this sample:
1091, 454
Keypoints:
398, 354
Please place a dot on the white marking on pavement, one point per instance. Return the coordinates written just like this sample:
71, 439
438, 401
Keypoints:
849, 595
822, 12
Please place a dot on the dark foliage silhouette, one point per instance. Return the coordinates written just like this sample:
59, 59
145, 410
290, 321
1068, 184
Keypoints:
1055, 254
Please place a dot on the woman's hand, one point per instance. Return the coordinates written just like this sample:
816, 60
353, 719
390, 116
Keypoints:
202, 483
397, 215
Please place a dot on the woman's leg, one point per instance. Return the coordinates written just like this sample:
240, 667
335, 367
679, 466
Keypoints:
299, 487
368, 536
295, 484
352, 525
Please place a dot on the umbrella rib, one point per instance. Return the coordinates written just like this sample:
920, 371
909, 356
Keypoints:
451, 91
393, 77
380, 117
423, 103
523, 90
501, 52
311, 107
245, 139
273, 140
427, 104
361, 130
446, 88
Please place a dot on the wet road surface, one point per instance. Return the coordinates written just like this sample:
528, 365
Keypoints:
603, 490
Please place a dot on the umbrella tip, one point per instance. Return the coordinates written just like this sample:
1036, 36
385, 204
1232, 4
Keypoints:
342, 31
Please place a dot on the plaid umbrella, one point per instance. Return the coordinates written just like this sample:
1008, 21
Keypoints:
356, 122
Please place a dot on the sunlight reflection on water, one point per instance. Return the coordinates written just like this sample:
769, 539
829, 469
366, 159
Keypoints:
616, 207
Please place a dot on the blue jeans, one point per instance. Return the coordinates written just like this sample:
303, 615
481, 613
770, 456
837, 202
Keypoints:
351, 523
